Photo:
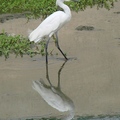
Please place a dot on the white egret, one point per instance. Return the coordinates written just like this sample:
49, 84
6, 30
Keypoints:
51, 25
54, 96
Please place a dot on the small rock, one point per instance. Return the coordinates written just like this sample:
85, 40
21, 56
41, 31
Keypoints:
87, 28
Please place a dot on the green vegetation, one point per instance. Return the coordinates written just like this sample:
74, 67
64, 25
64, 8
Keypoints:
100, 117
35, 9
19, 46
43, 8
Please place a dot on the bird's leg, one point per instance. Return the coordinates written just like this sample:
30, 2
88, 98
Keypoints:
59, 47
46, 53
47, 73
59, 72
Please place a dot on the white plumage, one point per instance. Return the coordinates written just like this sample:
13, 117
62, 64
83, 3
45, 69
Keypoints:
52, 23
54, 95
55, 98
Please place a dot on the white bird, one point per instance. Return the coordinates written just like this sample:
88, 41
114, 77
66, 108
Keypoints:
51, 25
54, 96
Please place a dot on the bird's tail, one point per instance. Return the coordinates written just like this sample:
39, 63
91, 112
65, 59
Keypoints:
34, 37
37, 85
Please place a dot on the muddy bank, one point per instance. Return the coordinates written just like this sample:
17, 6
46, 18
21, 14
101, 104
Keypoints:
91, 81
6, 17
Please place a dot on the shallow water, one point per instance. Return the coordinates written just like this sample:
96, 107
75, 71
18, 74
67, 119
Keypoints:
91, 77
75, 118
89, 87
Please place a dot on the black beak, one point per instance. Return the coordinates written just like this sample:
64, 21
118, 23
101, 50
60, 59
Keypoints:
76, 0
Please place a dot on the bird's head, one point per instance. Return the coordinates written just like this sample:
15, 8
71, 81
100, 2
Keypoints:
59, 1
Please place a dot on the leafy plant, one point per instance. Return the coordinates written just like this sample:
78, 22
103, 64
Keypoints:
44, 8
19, 46
36, 8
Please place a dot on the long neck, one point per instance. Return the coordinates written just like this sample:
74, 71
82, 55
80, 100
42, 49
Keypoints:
70, 116
64, 7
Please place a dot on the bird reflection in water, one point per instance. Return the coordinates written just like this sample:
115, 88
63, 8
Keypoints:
54, 96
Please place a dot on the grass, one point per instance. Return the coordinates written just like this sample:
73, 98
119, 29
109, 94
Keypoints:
19, 45
100, 117
44, 8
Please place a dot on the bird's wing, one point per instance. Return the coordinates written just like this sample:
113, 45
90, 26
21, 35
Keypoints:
52, 23
53, 99
49, 26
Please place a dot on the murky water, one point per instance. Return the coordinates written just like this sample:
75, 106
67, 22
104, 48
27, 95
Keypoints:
88, 84
75, 118
71, 89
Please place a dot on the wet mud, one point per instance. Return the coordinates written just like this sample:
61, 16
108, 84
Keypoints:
6, 17
90, 78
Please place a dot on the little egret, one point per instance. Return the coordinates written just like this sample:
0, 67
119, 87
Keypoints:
54, 96
51, 25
